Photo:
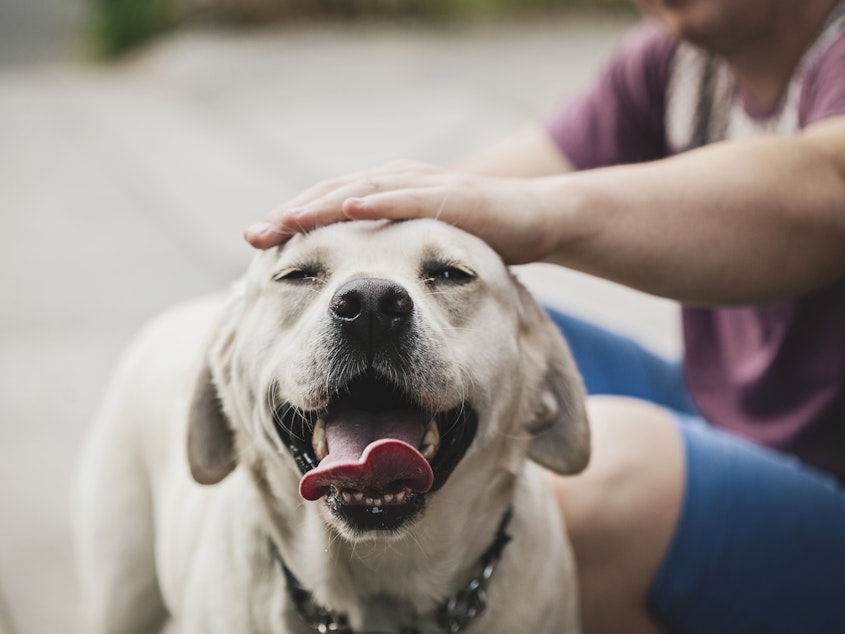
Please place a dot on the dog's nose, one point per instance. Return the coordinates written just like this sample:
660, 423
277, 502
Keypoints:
370, 310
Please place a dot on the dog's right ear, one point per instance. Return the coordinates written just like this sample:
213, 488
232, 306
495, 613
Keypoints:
212, 451
211, 440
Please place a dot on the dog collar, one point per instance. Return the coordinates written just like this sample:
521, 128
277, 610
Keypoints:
453, 615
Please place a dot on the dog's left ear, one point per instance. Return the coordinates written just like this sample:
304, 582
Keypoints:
560, 432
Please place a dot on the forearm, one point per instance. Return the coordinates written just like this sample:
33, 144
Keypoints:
736, 223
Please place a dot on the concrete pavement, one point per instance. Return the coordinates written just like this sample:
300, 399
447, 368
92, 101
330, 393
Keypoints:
123, 189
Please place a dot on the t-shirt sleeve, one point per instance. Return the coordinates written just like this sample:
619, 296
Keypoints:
620, 118
823, 93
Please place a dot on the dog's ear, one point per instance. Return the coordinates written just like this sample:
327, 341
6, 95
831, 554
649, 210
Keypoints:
211, 440
560, 432
212, 453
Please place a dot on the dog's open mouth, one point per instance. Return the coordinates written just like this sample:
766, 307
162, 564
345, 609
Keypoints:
373, 453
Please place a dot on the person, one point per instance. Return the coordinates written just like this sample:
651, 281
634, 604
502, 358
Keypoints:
706, 164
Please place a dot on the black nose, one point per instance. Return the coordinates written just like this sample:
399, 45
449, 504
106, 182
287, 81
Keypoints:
372, 312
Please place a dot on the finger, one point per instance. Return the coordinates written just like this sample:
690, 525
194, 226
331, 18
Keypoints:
362, 178
394, 176
324, 203
420, 202
453, 206
304, 212
321, 188
265, 235
279, 227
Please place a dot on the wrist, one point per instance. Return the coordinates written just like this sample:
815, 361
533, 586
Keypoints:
565, 222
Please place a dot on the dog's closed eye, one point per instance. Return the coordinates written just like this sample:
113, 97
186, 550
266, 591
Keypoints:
442, 273
300, 274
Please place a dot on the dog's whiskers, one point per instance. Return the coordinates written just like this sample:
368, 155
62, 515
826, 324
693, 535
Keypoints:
289, 421
441, 208
415, 538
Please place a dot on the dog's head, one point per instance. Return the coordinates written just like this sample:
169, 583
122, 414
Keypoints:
369, 361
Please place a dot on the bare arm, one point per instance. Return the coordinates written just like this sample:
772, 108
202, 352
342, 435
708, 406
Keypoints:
738, 222
732, 223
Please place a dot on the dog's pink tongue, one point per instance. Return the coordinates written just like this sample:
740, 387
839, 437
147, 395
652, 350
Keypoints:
371, 452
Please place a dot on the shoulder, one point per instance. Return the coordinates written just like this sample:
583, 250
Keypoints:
649, 39
646, 54
823, 82
619, 118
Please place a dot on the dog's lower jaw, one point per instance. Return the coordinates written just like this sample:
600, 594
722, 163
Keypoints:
362, 520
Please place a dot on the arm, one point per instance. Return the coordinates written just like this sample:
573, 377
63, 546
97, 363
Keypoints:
734, 223
739, 222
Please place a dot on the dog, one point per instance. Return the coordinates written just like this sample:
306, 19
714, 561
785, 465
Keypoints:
351, 440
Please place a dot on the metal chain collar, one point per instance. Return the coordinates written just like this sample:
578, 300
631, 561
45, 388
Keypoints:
454, 615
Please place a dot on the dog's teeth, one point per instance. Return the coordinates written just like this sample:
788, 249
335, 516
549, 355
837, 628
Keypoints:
431, 440
318, 440
320, 427
349, 497
432, 433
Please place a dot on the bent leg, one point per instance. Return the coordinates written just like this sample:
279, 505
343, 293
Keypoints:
760, 546
680, 526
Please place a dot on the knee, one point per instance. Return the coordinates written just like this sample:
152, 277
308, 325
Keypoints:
634, 442
624, 506
621, 512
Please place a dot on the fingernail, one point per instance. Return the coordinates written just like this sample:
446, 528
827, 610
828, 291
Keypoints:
297, 212
260, 230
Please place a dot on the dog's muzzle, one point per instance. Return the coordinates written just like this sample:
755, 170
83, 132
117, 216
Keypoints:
374, 452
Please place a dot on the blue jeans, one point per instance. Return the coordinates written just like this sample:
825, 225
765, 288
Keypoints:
760, 544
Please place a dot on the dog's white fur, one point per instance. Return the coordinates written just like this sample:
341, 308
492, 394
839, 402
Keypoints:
154, 545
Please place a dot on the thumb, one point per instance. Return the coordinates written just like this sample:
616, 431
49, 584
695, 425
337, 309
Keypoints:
396, 205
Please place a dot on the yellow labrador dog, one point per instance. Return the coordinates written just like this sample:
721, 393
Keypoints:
349, 442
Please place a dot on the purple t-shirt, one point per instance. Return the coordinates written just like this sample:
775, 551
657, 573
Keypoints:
773, 373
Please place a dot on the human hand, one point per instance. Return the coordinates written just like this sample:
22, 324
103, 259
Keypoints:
512, 215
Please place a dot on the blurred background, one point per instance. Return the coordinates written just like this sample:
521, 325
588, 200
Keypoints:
137, 139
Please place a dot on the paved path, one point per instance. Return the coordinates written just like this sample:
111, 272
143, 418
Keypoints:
124, 189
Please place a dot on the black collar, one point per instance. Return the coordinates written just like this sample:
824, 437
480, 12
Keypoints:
453, 615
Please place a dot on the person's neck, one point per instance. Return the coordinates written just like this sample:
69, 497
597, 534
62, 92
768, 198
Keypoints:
764, 68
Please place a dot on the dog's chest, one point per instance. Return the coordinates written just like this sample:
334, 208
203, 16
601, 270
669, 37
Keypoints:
483, 604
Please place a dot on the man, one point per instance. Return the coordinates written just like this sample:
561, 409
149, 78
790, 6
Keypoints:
707, 164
